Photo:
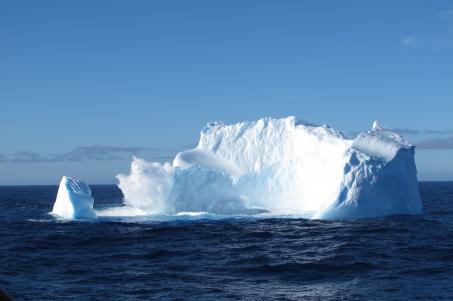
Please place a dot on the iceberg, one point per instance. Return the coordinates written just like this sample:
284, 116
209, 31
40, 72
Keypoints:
74, 200
284, 167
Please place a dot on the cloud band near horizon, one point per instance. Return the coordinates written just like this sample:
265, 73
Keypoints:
112, 153
83, 153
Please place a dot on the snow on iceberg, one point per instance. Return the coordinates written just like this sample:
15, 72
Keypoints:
74, 200
281, 166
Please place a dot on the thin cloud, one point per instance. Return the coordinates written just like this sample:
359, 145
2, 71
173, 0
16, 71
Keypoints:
441, 38
100, 153
436, 143
411, 132
3, 158
409, 41
29, 157
190, 145
446, 14
95, 152
421, 132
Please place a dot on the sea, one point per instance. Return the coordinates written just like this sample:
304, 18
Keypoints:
229, 258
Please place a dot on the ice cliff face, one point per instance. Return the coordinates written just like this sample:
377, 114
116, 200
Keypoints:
281, 166
380, 178
73, 200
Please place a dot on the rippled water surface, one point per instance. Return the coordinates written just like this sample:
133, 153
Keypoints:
394, 258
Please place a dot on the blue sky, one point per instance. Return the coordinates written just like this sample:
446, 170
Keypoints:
84, 85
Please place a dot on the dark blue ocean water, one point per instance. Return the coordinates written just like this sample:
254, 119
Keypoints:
394, 258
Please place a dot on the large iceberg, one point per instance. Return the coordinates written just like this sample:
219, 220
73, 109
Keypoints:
281, 166
74, 200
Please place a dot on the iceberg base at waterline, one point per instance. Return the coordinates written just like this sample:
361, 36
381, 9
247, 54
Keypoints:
282, 167
74, 200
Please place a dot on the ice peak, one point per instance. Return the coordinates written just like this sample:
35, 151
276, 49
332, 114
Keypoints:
380, 142
376, 125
